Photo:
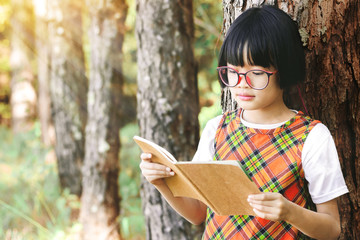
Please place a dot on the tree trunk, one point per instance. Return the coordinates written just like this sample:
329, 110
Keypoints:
43, 57
330, 35
23, 95
167, 100
100, 201
68, 88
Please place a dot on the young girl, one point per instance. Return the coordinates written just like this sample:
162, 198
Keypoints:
291, 157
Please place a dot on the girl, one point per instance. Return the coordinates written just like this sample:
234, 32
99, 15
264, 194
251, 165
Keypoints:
291, 157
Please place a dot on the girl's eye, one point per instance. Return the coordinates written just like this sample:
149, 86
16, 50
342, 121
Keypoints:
231, 71
258, 73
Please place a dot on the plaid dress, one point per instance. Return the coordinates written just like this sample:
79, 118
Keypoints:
271, 159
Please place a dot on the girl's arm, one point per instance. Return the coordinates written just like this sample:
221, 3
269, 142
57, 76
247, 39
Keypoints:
322, 224
193, 210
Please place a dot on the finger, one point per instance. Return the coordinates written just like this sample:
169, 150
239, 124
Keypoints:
155, 169
269, 196
264, 215
146, 156
157, 173
156, 177
154, 166
267, 203
269, 200
263, 208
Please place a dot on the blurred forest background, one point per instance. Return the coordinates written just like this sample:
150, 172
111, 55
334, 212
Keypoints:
32, 204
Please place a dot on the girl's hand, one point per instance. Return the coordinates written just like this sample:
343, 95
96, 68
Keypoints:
154, 172
271, 206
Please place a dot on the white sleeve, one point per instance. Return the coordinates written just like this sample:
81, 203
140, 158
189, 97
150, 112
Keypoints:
321, 166
206, 150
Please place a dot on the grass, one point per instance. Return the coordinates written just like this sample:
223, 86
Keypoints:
31, 203
32, 206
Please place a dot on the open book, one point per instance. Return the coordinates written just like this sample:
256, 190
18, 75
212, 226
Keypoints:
221, 185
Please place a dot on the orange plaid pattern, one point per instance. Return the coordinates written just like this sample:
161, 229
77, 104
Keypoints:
272, 159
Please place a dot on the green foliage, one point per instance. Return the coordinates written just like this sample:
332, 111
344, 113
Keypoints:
208, 39
33, 205
129, 63
5, 111
4, 56
213, 110
131, 220
5, 11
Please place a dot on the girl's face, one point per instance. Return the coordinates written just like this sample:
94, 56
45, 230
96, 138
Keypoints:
268, 99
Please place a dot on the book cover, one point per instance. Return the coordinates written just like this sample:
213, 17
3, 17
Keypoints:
221, 185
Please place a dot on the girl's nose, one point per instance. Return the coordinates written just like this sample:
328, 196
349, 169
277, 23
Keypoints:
242, 82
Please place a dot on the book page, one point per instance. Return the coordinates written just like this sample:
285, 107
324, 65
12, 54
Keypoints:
223, 184
148, 146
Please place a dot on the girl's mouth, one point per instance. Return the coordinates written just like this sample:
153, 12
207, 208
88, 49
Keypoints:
245, 97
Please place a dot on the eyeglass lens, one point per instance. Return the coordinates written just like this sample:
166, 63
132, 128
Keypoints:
257, 79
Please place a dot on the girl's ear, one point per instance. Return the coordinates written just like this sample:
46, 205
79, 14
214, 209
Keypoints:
228, 103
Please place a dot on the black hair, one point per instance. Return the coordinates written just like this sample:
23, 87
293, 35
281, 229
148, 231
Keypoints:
271, 38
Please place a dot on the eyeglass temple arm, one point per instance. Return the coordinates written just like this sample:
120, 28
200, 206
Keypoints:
302, 100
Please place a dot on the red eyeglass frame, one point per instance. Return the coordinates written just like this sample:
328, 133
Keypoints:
244, 74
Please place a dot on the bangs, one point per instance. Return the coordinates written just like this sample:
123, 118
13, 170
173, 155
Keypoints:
248, 44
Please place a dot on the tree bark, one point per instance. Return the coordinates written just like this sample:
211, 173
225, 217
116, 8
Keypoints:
23, 95
167, 100
100, 205
68, 88
330, 35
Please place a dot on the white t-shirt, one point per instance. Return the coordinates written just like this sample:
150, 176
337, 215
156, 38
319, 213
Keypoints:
319, 158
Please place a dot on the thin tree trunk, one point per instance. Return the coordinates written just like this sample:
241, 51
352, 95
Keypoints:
100, 201
330, 35
167, 100
43, 57
23, 95
68, 88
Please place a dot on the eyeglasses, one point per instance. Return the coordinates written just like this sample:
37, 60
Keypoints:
256, 79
